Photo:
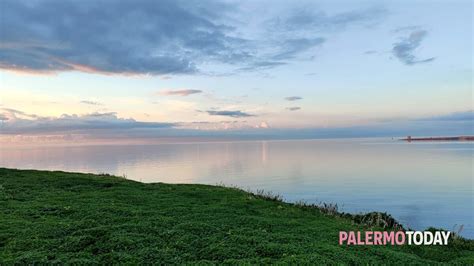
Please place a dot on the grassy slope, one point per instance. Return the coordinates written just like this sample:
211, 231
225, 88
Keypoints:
65, 217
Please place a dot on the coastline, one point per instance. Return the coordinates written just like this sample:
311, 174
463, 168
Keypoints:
86, 218
457, 138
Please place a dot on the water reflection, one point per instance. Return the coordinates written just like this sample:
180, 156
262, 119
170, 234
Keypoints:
426, 184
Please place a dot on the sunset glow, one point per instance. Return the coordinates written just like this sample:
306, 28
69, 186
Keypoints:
328, 69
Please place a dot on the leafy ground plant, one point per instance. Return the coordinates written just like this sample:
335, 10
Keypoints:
58, 217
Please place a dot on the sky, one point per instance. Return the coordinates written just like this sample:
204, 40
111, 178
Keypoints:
87, 70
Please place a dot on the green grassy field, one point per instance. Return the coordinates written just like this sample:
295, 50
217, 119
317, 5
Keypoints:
85, 218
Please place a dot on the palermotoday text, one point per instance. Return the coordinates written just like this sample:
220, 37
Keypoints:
394, 238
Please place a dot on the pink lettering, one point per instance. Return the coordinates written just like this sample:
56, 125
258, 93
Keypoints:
377, 238
359, 239
388, 237
351, 239
368, 237
342, 237
400, 238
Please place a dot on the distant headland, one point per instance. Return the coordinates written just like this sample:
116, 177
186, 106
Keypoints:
458, 138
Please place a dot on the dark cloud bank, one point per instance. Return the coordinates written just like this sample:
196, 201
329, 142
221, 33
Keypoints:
15, 122
18, 122
154, 37
235, 114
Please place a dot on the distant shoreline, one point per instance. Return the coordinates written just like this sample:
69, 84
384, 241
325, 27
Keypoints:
458, 138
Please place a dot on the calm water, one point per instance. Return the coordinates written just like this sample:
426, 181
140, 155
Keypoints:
421, 184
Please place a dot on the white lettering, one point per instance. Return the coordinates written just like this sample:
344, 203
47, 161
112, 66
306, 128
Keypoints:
418, 238
428, 238
445, 236
410, 235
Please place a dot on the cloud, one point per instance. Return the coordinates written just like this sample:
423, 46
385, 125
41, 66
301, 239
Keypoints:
261, 65
167, 37
304, 18
282, 51
235, 114
293, 34
185, 92
454, 117
291, 47
19, 126
10, 113
263, 124
406, 28
124, 37
18, 122
233, 125
404, 49
293, 98
370, 52
91, 102
293, 108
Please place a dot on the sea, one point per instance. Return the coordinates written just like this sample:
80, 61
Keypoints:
421, 184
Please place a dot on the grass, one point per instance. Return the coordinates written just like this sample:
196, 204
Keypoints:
59, 217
